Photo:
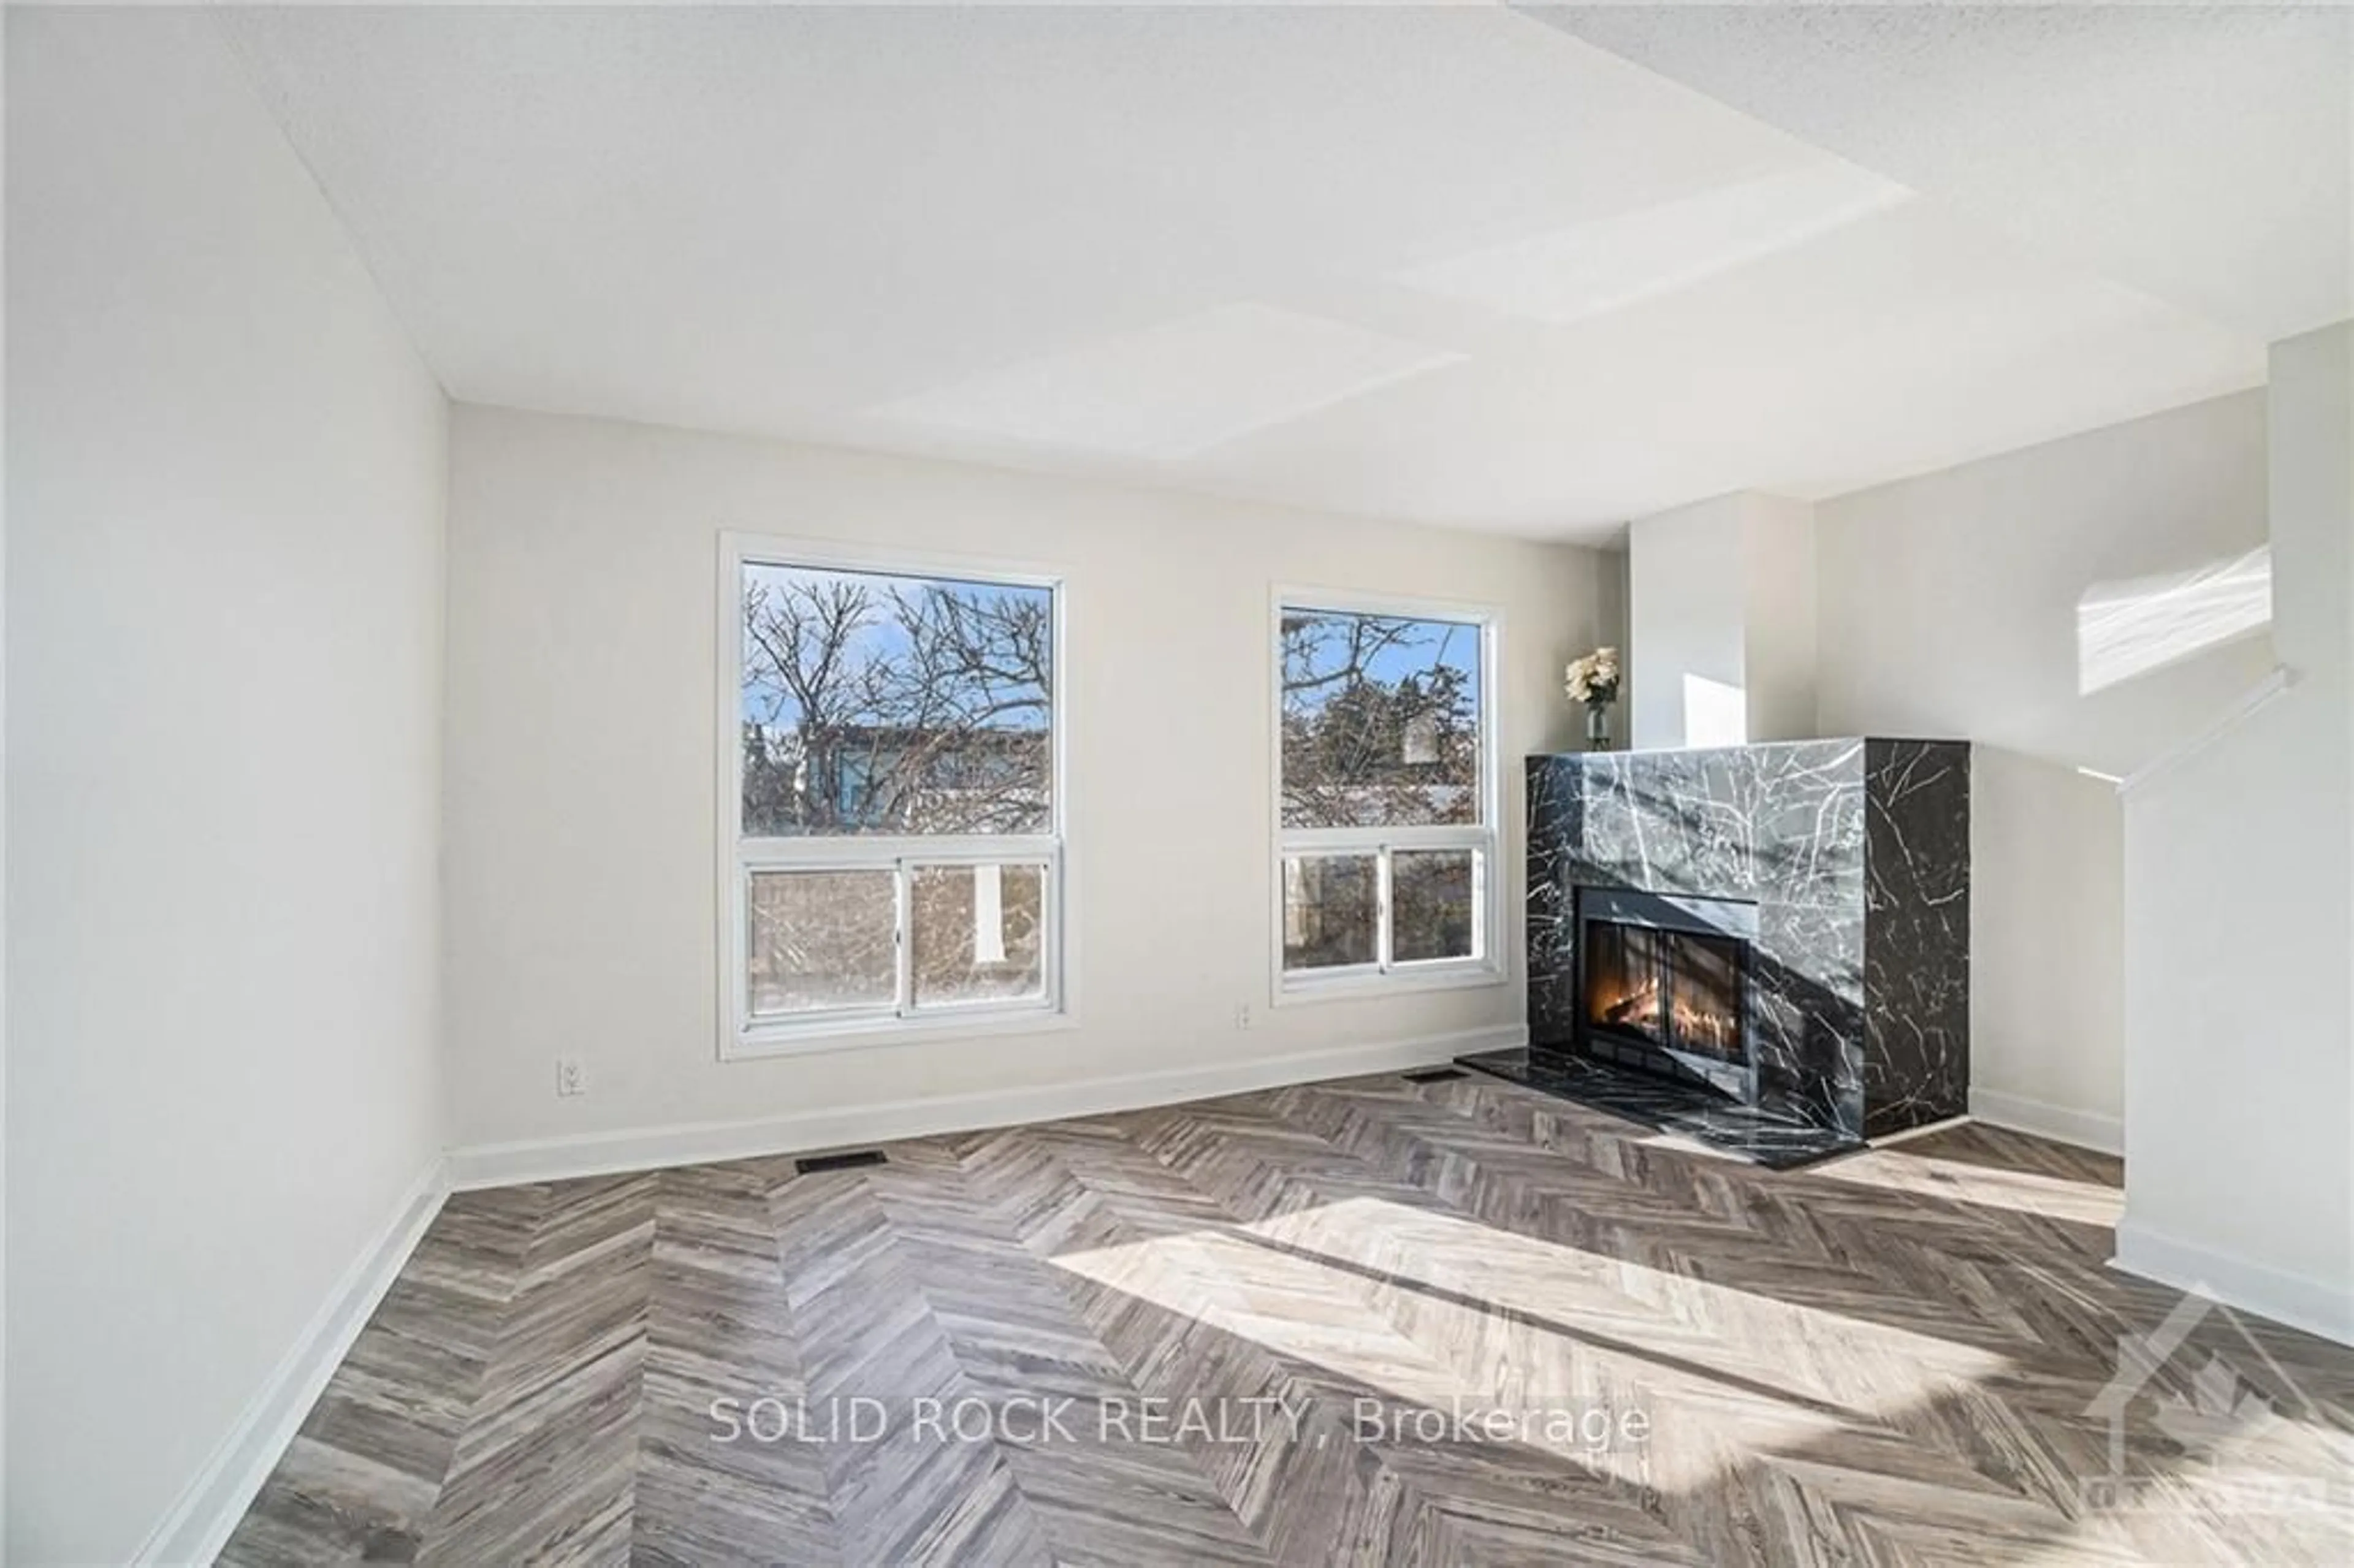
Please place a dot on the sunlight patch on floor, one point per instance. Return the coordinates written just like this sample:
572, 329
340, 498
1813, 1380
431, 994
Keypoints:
1430, 1308
1899, 1170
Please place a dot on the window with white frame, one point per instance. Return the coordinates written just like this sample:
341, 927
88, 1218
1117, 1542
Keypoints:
1385, 794
890, 798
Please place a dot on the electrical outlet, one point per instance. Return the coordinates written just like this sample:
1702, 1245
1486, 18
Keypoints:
1242, 1015
572, 1078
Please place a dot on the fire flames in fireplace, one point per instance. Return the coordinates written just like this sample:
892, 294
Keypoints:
1692, 1023
1677, 990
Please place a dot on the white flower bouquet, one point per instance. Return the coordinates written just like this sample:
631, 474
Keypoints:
1594, 679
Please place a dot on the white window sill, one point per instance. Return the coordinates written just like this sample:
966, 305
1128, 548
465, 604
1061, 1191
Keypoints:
812, 1040
1294, 989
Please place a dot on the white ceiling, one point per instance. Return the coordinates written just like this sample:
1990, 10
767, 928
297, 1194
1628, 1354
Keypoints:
2200, 152
1457, 266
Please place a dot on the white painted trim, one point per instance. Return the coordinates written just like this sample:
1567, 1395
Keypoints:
199, 1523
2245, 707
1362, 981
1486, 967
741, 1038
2311, 1305
2085, 1130
937, 1026
645, 1149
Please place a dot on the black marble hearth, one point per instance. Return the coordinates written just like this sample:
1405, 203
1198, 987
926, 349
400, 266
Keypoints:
1760, 1137
1848, 863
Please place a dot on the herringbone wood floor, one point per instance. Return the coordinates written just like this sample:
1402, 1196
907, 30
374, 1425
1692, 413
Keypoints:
1885, 1360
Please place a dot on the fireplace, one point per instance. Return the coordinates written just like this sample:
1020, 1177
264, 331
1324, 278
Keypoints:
1664, 985
1821, 892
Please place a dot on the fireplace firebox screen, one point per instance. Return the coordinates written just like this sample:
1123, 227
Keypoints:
1673, 991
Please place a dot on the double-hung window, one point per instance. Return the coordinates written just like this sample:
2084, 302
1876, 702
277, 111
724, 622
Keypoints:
1385, 795
890, 802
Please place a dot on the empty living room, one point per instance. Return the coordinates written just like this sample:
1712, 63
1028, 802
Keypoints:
1087, 784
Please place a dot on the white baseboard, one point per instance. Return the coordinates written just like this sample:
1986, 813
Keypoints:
2085, 1130
647, 1149
2238, 1282
199, 1523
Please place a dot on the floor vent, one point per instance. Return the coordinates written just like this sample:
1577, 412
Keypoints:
1436, 1075
850, 1161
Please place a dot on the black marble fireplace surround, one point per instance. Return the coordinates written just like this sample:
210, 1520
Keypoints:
1843, 869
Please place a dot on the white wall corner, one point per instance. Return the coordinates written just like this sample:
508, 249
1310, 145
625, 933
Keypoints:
2063, 1124
2249, 1190
2248, 703
199, 1523
2241, 1284
1722, 622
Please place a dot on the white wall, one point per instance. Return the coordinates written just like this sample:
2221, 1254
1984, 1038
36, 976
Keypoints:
225, 489
1948, 607
1779, 623
580, 914
1723, 618
2240, 899
4, 845
1686, 605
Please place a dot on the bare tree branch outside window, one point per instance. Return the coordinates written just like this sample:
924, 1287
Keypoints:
1381, 721
895, 709
895, 706
1381, 733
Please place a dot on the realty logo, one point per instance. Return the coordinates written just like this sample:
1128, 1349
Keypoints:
2219, 1403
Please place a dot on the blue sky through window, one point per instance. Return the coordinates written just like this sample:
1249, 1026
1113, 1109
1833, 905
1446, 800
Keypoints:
1400, 647
872, 664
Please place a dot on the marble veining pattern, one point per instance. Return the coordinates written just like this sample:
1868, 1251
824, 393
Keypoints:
1856, 852
1774, 1141
1917, 980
